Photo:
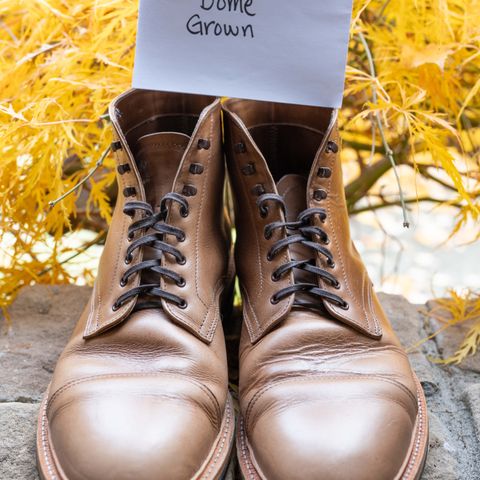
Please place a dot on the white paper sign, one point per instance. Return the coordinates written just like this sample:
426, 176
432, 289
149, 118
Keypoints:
291, 51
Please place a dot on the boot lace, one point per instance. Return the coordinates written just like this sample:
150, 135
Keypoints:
301, 231
154, 233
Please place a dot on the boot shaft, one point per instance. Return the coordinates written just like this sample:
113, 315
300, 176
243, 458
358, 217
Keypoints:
293, 152
167, 144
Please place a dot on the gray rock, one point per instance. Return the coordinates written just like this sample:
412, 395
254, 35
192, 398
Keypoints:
408, 322
441, 461
42, 319
17, 441
472, 399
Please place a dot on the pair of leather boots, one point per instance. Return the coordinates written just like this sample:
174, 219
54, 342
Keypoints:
141, 390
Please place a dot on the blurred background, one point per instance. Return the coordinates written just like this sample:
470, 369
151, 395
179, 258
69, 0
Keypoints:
410, 127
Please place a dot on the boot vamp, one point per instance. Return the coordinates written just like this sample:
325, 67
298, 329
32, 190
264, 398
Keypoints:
143, 401
320, 400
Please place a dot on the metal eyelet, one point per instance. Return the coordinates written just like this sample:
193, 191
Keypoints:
320, 195
269, 257
324, 172
122, 169
249, 169
189, 191
274, 300
267, 234
182, 261
331, 264
129, 192
183, 305
264, 212
203, 144
181, 283
123, 282
240, 147
128, 260
196, 169
116, 307
184, 212
332, 147
182, 238
345, 306
258, 189
116, 146
275, 277
336, 285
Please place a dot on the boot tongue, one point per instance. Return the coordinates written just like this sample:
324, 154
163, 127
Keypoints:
293, 189
158, 158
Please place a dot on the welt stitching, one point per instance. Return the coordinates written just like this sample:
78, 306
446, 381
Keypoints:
74, 383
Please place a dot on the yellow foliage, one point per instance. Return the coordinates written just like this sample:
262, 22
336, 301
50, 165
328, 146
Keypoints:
425, 88
413, 86
61, 64
457, 310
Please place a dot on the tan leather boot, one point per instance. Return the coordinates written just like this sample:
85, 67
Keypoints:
326, 390
141, 390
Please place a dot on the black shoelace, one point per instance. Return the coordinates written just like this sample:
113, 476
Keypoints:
155, 232
302, 232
